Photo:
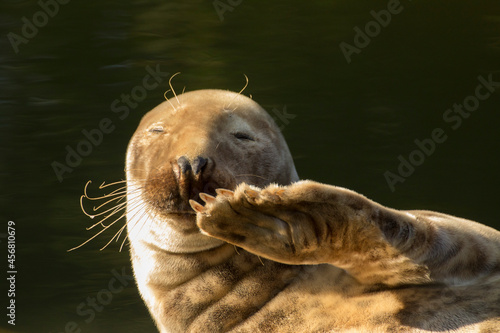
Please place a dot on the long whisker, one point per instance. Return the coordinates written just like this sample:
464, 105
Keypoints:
110, 200
119, 196
118, 207
165, 95
91, 238
122, 206
102, 186
115, 200
239, 93
246, 85
102, 248
119, 233
170, 84
123, 243
101, 213
133, 217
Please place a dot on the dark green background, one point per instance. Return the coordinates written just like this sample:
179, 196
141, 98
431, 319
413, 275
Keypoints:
351, 123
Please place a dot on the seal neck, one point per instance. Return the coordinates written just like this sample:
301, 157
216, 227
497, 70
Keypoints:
159, 233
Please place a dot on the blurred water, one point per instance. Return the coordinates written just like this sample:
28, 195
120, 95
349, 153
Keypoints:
351, 120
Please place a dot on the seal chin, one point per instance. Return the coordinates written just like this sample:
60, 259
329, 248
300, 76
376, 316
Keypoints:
183, 220
174, 232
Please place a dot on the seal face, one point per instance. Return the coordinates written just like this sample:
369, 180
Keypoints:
224, 237
206, 140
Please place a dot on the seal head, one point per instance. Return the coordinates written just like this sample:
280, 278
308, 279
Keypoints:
198, 142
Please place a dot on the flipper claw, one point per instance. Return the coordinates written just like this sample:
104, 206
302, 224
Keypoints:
199, 208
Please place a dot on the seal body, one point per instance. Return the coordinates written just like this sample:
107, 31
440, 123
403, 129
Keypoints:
224, 237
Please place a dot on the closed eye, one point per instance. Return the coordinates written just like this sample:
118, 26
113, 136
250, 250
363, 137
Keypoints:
243, 136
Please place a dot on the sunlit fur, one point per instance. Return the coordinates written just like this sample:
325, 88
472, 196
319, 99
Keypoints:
275, 254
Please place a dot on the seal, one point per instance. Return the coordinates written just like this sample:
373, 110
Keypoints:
225, 237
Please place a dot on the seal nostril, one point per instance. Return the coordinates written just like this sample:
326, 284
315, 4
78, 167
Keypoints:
199, 164
184, 164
